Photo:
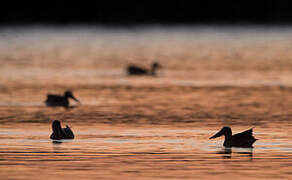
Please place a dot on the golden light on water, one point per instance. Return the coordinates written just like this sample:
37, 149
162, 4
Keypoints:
145, 127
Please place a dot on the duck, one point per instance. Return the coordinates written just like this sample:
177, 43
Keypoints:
61, 133
138, 71
59, 100
244, 139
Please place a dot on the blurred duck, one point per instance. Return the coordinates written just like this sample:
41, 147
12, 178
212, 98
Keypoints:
61, 133
59, 100
135, 70
243, 139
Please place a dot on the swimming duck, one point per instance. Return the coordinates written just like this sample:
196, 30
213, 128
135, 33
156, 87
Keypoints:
135, 70
59, 100
243, 139
59, 132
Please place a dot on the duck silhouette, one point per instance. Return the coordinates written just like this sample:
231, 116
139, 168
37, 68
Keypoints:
59, 132
135, 70
243, 139
59, 100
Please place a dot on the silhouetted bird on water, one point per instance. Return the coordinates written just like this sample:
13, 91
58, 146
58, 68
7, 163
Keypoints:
243, 139
58, 100
135, 70
61, 133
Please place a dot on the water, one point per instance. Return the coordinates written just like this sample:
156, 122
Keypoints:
151, 152
145, 127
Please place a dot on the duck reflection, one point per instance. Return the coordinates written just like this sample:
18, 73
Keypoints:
227, 152
57, 142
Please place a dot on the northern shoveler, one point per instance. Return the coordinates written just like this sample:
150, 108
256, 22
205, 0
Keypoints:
243, 139
59, 100
135, 70
59, 132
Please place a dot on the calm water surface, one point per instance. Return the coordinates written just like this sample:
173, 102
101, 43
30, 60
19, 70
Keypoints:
150, 152
144, 127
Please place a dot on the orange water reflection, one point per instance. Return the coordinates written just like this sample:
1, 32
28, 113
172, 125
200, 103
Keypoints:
144, 127
102, 151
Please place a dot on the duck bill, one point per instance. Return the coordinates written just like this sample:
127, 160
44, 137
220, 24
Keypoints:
75, 99
216, 135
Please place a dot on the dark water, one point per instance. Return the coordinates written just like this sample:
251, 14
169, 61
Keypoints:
145, 127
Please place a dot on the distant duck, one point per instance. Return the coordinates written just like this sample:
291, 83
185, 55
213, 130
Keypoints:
243, 139
59, 100
59, 132
135, 70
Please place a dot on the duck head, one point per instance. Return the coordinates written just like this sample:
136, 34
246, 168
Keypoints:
56, 127
226, 131
155, 66
68, 94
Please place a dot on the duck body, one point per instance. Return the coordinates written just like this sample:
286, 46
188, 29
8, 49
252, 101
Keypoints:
61, 133
59, 100
135, 70
138, 71
244, 139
